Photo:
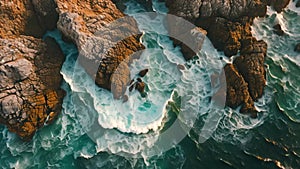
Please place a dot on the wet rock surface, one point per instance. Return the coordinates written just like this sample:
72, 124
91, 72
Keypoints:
30, 93
278, 30
228, 26
30, 83
277, 5
105, 39
138, 84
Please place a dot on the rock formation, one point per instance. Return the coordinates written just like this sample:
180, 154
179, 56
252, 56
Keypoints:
30, 83
228, 26
277, 5
106, 40
30, 94
278, 30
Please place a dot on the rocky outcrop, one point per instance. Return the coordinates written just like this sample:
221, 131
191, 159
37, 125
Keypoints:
277, 5
45, 11
138, 85
106, 40
228, 26
246, 77
251, 65
226, 35
278, 30
29, 83
192, 10
186, 35
19, 17
30, 93
143, 73
226, 22
237, 91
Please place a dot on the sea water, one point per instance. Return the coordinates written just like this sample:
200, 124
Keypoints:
95, 131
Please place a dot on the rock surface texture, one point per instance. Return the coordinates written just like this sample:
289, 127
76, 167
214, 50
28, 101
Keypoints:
228, 25
30, 94
106, 40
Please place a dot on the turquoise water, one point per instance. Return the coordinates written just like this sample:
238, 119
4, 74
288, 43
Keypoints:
93, 131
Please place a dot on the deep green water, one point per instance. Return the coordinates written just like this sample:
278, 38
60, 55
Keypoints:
220, 138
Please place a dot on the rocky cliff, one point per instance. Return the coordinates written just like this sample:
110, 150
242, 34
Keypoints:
228, 25
30, 94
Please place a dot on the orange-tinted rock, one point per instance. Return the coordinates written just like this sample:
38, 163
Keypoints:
251, 65
32, 69
228, 26
105, 49
226, 35
237, 91
140, 86
18, 17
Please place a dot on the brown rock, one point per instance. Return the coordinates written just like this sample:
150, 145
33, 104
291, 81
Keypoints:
105, 49
278, 30
226, 35
192, 10
32, 69
278, 5
30, 78
18, 17
119, 80
142, 73
189, 37
140, 86
228, 26
251, 45
251, 66
237, 91
180, 67
45, 11
125, 98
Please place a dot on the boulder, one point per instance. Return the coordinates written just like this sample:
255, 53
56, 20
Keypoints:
140, 86
278, 30
143, 73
